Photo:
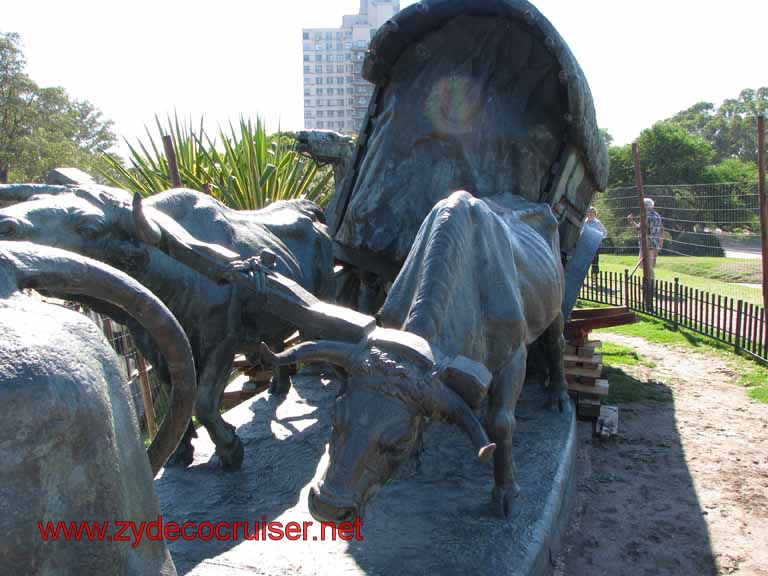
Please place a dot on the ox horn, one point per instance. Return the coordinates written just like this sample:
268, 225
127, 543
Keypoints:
338, 353
65, 273
451, 406
146, 230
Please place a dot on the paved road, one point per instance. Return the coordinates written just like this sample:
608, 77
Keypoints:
745, 255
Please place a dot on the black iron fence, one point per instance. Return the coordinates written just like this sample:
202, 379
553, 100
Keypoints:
739, 323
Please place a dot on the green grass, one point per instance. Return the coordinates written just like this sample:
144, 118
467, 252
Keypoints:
752, 376
715, 275
617, 355
625, 388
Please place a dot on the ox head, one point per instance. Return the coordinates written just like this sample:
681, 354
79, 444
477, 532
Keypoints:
393, 383
93, 221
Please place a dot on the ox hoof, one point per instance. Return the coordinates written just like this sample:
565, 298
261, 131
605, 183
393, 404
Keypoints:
279, 386
503, 498
557, 401
231, 457
183, 456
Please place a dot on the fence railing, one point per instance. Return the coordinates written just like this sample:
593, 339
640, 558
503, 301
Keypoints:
738, 323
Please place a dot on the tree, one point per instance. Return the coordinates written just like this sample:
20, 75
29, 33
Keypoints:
41, 128
668, 153
730, 128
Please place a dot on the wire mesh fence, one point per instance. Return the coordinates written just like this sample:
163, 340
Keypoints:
149, 394
711, 236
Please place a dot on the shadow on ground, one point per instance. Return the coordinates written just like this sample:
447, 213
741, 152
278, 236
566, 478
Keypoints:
636, 511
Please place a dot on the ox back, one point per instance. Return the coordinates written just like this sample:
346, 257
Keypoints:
481, 277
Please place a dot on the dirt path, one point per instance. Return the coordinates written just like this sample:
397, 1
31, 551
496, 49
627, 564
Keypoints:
683, 488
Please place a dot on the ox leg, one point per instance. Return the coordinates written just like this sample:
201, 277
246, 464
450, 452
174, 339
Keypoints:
280, 383
505, 390
210, 388
185, 452
555, 348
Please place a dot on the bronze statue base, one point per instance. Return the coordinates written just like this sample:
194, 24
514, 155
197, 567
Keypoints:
435, 518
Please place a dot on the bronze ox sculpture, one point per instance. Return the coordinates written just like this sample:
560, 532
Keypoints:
481, 283
69, 437
220, 320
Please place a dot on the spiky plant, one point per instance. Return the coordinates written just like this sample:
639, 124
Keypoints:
244, 168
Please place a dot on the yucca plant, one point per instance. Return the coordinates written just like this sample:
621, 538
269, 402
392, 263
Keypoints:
244, 168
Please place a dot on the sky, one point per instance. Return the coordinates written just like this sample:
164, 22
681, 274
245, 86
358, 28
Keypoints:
645, 60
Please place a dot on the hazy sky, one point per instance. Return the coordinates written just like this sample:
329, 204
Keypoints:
644, 59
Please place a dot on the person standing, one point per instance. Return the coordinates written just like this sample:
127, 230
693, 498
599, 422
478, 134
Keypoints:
655, 233
595, 224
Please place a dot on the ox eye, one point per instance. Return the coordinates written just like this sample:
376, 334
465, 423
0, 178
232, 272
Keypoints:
89, 230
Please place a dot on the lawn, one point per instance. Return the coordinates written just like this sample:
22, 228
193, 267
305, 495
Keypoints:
715, 275
752, 376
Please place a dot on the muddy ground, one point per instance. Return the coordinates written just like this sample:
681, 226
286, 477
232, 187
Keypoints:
683, 488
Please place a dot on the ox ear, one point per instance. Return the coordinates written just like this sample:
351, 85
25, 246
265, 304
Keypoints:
469, 379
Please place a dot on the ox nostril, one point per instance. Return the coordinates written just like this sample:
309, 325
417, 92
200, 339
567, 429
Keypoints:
326, 510
9, 228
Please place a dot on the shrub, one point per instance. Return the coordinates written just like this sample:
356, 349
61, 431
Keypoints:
693, 244
244, 168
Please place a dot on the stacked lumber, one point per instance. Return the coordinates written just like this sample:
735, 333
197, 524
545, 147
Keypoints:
583, 372
584, 364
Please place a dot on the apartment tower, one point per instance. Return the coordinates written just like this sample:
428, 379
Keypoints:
335, 95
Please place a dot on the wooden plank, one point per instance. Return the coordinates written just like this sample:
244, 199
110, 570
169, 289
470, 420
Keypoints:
588, 407
576, 327
600, 388
259, 375
582, 313
588, 372
582, 359
586, 349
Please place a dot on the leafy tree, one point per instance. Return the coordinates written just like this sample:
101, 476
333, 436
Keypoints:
731, 170
669, 155
41, 128
730, 128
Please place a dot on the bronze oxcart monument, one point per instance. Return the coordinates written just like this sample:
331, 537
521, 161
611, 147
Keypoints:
455, 230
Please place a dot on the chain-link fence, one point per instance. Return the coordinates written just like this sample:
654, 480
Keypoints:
711, 236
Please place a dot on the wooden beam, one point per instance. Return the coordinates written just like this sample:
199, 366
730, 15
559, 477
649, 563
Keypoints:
583, 313
593, 359
576, 327
585, 372
146, 396
600, 388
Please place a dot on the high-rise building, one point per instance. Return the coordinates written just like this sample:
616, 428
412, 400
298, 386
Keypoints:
335, 95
